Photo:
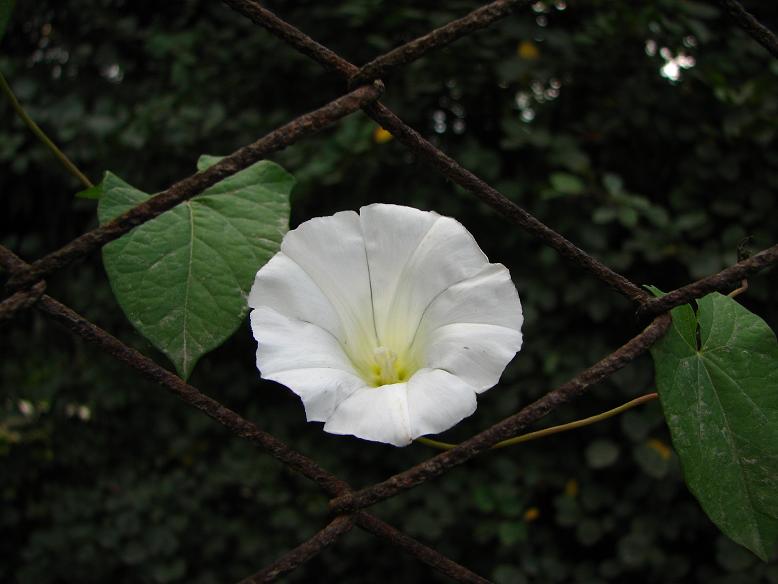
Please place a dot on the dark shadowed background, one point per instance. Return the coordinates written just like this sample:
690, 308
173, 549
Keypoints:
644, 132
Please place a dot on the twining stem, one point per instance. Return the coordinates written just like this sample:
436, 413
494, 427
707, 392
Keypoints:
554, 429
742, 254
35, 129
739, 291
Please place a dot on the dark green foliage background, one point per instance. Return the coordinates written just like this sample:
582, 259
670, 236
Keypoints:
662, 180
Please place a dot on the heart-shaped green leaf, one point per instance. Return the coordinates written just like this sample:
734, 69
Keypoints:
183, 277
717, 377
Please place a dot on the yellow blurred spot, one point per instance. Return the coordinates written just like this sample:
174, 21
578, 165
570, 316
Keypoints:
571, 488
381, 136
528, 51
662, 448
531, 514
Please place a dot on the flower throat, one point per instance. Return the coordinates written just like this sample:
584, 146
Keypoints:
388, 368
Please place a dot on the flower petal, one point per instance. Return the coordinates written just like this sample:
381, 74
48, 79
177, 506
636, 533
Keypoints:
306, 358
413, 256
286, 344
476, 353
393, 233
281, 284
331, 251
490, 297
374, 413
473, 329
320, 389
437, 400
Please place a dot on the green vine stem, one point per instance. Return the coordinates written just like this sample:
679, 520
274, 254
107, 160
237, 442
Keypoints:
35, 129
554, 429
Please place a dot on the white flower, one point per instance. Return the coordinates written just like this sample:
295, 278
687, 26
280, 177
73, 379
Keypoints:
386, 323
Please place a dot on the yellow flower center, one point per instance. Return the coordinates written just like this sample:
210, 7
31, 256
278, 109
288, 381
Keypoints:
387, 368
391, 358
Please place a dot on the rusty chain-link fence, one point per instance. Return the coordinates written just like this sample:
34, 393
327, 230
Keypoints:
26, 283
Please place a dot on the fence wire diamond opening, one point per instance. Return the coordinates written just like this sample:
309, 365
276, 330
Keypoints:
26, 284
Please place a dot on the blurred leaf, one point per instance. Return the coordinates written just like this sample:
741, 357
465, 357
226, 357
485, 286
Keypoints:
651, 461
604, 215
507, 574
482, 496
171, 571
601, 453
699, 10
636, 425
568, 512
6, 8
717, 376
566, 183
634, 549
614, 184
628, 217
589, 532
182, 278
512, 532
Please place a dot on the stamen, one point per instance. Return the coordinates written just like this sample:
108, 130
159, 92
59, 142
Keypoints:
386, 369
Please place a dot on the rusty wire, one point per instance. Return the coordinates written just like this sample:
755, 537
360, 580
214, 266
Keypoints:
303, 552
195, 184
748, 22
20, 300
720, 281
437, 39
508, 427
434, 156
27, 285
293, 460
